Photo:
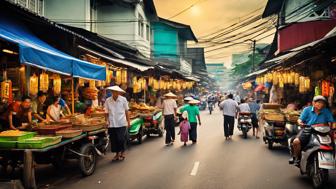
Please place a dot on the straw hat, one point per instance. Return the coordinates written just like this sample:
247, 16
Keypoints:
188, 98
194, 101
185, 115
116, 88
170, 94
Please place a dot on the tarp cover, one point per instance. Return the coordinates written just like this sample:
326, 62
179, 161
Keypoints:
34, 51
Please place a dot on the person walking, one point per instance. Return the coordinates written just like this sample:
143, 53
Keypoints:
193, 116
230, 108
169, 112
118, 120
184, 128
254, 108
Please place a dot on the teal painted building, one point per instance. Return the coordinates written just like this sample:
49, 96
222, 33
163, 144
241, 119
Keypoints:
170, 42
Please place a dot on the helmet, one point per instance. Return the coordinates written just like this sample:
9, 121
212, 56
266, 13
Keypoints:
319, 98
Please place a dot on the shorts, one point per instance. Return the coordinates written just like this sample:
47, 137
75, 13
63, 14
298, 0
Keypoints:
255, 123
304, 136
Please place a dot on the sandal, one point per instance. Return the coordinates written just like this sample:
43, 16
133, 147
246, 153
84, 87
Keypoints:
122, 158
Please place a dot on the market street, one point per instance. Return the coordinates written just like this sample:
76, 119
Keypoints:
236, 164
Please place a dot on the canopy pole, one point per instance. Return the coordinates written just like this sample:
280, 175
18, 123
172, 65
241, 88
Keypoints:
72, 96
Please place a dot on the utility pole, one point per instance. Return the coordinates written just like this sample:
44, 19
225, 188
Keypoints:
253, 55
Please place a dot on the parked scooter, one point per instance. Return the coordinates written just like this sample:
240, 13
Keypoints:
274, 132
318, 157
244, 123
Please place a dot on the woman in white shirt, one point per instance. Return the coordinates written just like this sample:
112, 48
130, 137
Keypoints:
54, 110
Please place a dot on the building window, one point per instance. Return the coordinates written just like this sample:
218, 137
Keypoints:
141, 26
32, 5
40, 7
22, 3
147, 32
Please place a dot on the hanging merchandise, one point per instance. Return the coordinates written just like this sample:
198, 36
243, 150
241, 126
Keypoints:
275, 77
118, 77
325, 88
92, 84
98, 83
124, 76
57, 83
291, 78
156, 85
151, 81
296, 79
109, 75
6, 89
285, 78
81, 82
317, 91
281, 81
44, 82
302, 84
331, 94
307, 84
33, 85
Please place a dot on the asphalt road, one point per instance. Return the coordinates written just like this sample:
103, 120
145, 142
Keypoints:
211, 163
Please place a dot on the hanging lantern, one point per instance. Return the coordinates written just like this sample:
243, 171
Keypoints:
109, 75
307, 84
118, 77
156, 85
81, 82
33, 85
92, 84
291, 78
281, 81
296, 79
302, 84
124, 76
57, 83
44, 82
98, 83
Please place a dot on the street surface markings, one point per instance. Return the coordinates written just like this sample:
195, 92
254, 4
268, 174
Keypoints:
195, 169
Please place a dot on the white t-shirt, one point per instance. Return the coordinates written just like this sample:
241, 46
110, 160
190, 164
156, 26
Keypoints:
244, 107
229, 107
168, 106
55, 112
116, 111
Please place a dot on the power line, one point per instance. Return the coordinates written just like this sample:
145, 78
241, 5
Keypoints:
186, 9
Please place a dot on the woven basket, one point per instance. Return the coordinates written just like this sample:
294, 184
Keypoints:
69, 133
86, 127
274, 117
292, 118
271, 106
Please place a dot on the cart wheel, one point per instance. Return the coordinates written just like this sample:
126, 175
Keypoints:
87, 163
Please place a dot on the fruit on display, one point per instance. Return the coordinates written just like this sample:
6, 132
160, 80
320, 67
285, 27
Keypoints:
11, 133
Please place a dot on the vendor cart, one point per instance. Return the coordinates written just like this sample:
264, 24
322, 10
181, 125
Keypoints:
153, 123
84, 147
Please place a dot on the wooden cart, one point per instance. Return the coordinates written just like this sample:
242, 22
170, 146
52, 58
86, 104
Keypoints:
84, 147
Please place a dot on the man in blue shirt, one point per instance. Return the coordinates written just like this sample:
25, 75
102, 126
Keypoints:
311, 115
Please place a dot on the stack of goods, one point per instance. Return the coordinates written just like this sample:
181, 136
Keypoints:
98, 112
51, 129
133, 115
291, 116
88, 124
25, 140
69, 133
271, 112
142, 108
90, 93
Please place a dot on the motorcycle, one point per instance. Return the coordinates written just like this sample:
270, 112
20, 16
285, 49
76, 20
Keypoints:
244, 123
318, 157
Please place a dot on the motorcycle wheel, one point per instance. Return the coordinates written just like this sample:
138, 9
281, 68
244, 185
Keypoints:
245, 134
270, 145
319, 177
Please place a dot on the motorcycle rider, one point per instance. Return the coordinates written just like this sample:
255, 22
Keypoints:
315, 114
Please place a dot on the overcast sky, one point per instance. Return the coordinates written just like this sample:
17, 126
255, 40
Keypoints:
209, 16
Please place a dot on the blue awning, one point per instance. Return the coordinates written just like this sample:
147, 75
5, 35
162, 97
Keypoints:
34, 51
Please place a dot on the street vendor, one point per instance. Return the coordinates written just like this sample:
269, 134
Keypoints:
39, 107
21, 117
118, 120
169, 111
54, 111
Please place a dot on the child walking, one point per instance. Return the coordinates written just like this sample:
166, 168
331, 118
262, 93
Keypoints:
184, 128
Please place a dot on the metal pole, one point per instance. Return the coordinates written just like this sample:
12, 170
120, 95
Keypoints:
253, 56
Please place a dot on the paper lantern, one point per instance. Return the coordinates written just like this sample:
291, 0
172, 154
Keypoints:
81, 82
296, 79
33, 85
307, 84
302, 84
57, 83
92, 84
118, 77
6, 90
124, 76
44, 82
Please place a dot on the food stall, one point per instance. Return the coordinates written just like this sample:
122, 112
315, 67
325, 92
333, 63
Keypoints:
31, 65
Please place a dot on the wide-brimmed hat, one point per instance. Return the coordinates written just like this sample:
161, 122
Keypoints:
170, 94
194, 101
116, 88
185, 115
188, 98
319, 98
